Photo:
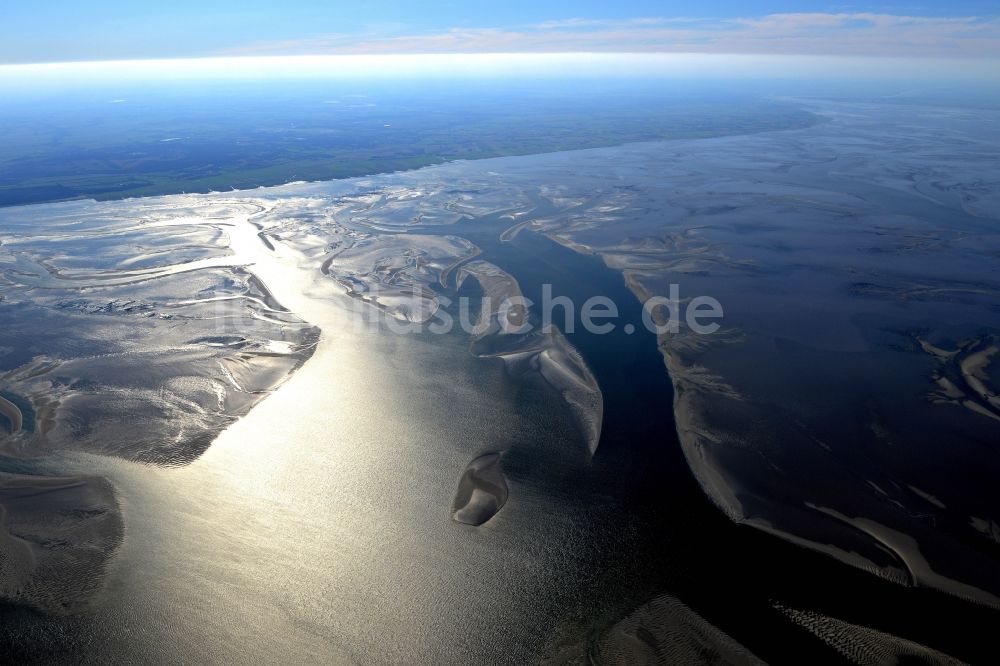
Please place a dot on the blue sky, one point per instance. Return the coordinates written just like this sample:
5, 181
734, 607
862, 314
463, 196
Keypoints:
73, 30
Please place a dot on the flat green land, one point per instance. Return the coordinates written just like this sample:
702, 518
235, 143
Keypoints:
115, 144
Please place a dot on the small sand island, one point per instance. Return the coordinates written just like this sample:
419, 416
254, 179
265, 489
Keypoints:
482, 492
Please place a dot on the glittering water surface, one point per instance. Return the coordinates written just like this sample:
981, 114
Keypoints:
833, 442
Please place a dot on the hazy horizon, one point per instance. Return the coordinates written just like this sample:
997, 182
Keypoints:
499, 333
62, 31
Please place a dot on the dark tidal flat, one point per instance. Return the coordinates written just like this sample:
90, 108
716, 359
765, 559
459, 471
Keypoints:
234, 469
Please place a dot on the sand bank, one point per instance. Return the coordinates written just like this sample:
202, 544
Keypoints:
482, 491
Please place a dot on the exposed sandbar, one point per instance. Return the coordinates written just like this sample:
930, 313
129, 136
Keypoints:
546, 352
662, 631
482, 491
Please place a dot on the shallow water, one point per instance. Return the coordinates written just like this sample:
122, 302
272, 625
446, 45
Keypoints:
319, 525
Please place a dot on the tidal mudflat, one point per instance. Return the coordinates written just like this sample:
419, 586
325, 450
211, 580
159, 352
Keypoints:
115, 319
726, 494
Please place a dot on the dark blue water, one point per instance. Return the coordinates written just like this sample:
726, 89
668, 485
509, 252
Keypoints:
657, 532
730, 574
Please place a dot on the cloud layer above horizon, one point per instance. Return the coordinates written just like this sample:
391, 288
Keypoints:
66, 31
867, 34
